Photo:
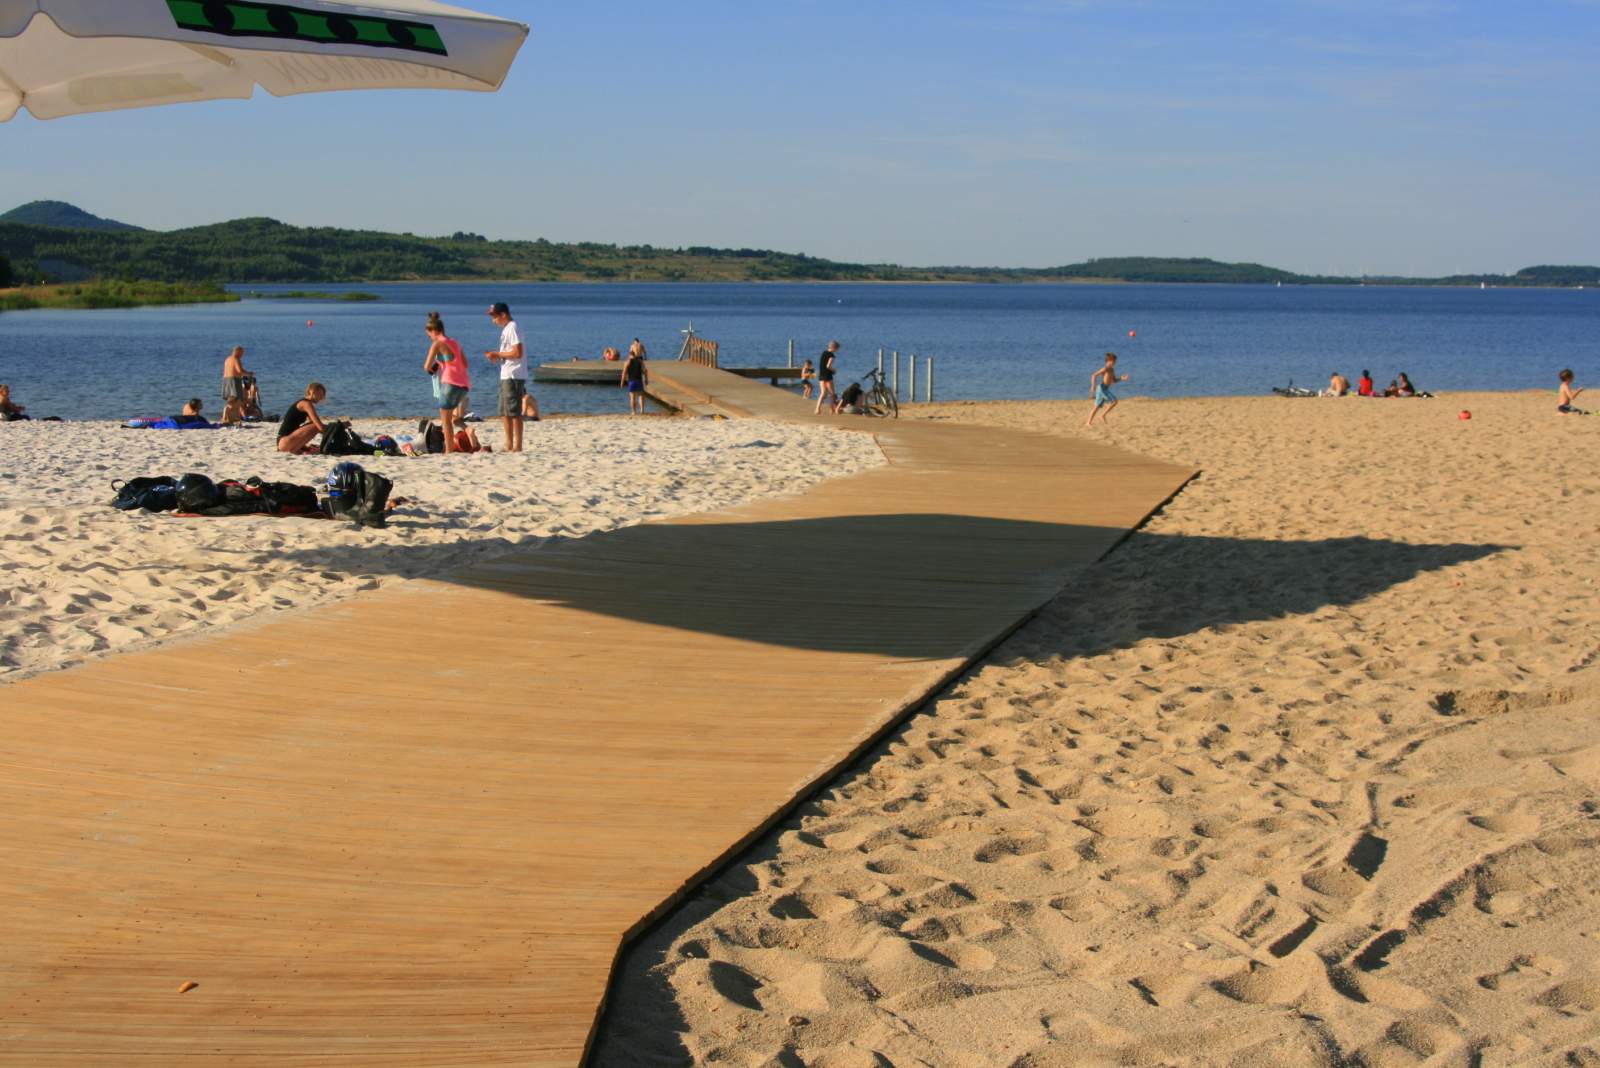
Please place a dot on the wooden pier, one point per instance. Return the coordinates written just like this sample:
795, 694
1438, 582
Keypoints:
608, 372
312, 840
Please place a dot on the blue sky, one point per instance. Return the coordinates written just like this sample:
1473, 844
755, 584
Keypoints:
1409, 136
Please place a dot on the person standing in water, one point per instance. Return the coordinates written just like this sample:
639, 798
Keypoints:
1100, 384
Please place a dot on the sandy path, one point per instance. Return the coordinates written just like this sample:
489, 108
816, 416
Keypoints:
80, 579
1308, 773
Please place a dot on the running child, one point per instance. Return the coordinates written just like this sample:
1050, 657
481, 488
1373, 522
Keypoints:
1100, 384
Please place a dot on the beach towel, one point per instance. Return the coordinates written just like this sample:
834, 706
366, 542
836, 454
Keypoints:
171, 422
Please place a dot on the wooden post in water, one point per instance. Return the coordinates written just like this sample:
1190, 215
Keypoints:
894, 377
929, 386
911, 394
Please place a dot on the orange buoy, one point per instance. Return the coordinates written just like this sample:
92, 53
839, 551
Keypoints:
1464, 414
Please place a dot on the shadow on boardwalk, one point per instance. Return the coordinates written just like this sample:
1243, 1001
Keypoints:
890, 585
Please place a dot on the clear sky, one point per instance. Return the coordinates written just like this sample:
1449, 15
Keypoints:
1347, 136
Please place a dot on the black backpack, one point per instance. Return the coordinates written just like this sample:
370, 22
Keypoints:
285, 498
340, 440
357, 494
196, 493
432, 436
157, 494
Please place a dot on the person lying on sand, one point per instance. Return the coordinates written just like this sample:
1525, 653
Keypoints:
193, 407
301, 422
1564, 399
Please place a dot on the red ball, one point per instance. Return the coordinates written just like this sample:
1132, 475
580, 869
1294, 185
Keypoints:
1465, 415
1133, 333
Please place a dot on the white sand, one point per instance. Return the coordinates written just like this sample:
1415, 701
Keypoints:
81, 579
1306, 774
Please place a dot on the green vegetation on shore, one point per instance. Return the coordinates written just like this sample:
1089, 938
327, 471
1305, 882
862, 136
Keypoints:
264, 250
355, 297
113, 295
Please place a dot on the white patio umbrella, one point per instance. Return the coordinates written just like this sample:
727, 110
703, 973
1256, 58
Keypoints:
66, 57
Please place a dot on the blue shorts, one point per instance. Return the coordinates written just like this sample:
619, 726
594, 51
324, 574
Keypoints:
451, 396
635, 386
1102, 395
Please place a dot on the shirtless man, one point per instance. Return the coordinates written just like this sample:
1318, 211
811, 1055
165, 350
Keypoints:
233, 400
1338, 386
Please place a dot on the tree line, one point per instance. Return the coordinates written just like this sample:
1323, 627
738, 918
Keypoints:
265, 250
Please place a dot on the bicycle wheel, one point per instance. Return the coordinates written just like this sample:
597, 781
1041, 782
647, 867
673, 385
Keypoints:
884, 400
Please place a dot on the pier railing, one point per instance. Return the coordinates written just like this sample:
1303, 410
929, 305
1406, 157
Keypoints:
701, 351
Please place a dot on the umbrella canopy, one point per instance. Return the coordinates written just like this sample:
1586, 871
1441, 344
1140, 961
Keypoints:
66, 57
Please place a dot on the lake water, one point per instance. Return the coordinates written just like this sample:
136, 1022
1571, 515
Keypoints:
988, 341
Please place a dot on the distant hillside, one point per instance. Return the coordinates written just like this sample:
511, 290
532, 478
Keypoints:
265, 250
1156, 269
62, 216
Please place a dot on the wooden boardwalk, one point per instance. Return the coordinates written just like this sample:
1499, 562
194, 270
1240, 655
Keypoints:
369, 849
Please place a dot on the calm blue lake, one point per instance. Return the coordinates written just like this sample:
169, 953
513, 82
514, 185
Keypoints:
988, 341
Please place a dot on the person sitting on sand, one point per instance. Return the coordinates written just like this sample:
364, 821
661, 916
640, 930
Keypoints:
10, 410
635, 376
1564, 399
301, 422
233, 387
1404, 388
1364, 385
808, 379
849, 402
193, 407
446, 359
1338, 386
1392, 389
530, 407
1100, 384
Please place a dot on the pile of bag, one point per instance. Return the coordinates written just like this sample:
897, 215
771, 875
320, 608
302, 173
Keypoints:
340, 439
199, 495
353, 493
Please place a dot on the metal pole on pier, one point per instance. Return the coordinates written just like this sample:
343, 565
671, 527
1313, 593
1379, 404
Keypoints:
880, 363
911, 394
894, 377
930, 380
791, 352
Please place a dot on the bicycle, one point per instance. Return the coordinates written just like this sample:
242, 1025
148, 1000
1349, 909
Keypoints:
878, 400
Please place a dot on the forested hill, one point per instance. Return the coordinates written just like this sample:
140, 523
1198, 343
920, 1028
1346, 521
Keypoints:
59, 214
265, 250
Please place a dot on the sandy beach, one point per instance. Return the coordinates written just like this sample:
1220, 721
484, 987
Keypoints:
1307, 772
83, 580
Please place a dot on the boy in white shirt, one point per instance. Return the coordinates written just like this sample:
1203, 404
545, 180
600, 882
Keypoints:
513, 362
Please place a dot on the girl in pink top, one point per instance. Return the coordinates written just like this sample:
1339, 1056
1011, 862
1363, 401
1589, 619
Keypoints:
446, 360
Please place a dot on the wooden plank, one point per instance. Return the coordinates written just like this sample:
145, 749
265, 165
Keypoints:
371, 848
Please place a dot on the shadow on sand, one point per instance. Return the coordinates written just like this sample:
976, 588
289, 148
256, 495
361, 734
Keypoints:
918, 587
